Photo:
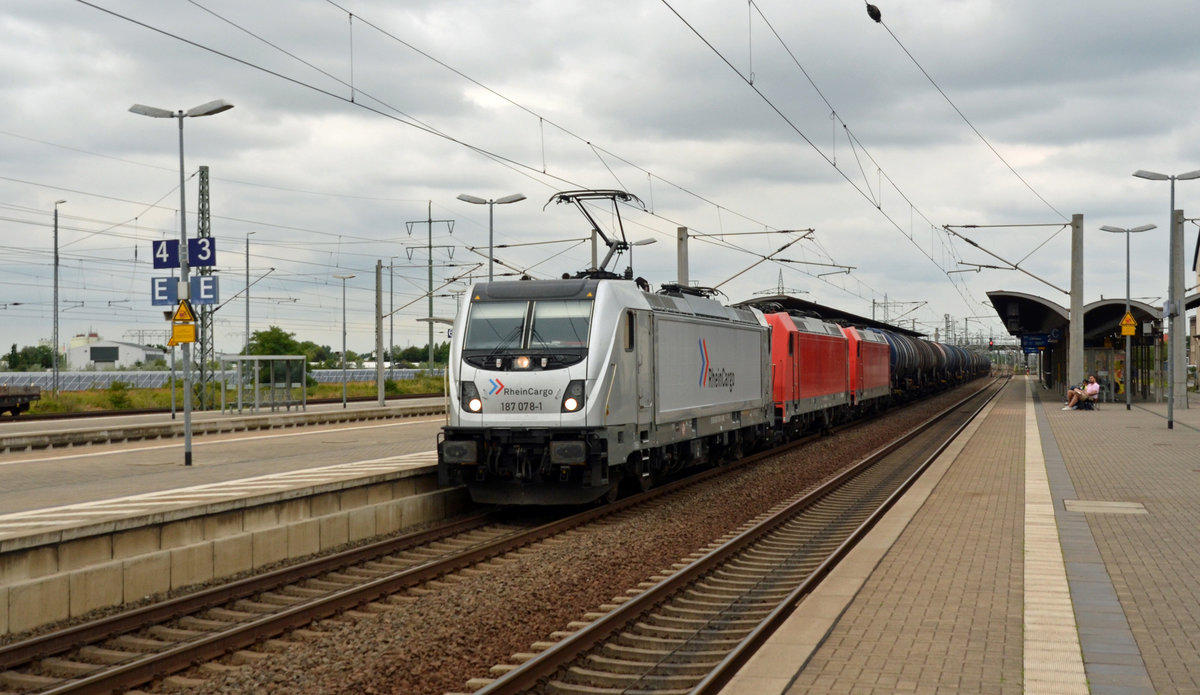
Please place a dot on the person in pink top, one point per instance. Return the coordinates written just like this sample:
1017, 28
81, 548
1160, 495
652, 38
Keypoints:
1089, 392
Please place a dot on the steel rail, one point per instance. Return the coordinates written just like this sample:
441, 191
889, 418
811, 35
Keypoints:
49, 644
737, 658
158, 664
528, 675
187, 654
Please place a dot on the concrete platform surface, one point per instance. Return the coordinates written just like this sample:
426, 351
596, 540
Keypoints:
1048, 551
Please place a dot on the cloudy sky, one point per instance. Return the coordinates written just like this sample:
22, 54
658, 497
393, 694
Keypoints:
357, 121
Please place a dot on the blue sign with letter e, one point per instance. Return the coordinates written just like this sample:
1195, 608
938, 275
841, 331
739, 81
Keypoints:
165, 291
204, 289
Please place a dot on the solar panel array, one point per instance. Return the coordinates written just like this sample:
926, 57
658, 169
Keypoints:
82, 381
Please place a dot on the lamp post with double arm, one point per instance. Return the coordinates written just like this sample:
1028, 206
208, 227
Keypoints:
54, 338
1175, 368
466, 198
208, 109
1128, 348
344, 278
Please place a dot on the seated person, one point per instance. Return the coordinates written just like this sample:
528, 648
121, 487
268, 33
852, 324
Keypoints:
1090, 393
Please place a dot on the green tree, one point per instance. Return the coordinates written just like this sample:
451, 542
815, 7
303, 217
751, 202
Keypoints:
414, 354
276, 341
30, 358
316, 353
420, 354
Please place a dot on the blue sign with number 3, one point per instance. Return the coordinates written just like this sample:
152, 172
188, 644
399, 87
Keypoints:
202, 252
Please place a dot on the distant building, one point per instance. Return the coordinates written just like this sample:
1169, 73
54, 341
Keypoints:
110, 354
84, 339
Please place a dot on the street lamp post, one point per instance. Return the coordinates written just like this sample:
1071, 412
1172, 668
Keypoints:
1175, 290
54, 338
391, 314
344, 278
208, 109
1128, 347
515, 197
246, 351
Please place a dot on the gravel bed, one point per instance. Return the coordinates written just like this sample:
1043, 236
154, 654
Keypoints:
434, 641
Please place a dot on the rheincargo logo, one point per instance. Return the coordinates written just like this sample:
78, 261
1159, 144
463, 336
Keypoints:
710, 377
542, 393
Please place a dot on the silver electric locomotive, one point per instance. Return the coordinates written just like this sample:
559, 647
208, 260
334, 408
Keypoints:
562, 390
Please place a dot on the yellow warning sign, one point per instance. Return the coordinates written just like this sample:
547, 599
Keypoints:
182, 333
184, 313
1128, 320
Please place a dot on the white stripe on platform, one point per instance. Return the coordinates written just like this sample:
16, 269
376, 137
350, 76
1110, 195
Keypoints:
264, 483
1053, 658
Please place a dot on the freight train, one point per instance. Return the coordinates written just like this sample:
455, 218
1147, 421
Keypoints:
15, 400
563, 391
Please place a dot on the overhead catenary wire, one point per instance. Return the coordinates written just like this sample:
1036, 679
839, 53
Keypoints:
596, 148
406, 119
796, 129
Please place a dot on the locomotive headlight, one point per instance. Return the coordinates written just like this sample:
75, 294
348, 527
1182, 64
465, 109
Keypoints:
521, 362
573, 397
470, 397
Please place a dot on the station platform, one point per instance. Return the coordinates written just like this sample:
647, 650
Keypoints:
63, 490
1047, 551
26, 434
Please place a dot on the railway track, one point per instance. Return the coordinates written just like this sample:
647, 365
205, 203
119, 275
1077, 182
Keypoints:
140, 646
690, 631
146, 645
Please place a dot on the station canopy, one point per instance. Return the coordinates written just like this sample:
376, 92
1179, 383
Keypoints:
1027, 314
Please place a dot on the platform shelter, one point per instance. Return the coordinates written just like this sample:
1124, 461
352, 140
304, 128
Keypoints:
1043, 327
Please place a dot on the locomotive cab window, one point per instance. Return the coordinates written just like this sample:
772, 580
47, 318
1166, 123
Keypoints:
630, 326
495, 325
527, 334
559, 324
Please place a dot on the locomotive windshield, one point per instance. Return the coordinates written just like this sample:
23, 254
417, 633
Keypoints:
560, 324
541, 325
495, 325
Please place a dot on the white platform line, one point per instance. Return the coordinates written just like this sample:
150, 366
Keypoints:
274, 481
1053, 657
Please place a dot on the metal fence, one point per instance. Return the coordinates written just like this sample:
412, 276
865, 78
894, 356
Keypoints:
82, 381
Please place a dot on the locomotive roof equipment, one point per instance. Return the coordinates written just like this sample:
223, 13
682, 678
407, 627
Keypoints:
615, 246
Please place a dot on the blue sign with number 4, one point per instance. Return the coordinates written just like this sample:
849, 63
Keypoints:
202, 252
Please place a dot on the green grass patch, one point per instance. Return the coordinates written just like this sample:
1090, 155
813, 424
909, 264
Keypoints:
125, 397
